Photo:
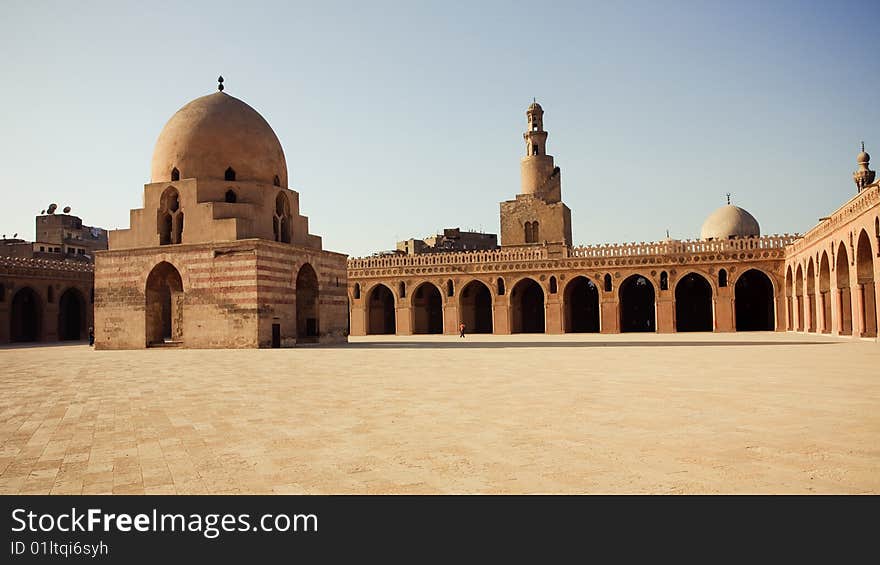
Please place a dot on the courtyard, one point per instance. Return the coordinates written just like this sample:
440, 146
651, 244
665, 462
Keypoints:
626, 413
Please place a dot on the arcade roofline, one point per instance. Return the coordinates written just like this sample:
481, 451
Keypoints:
45, 264
605, 250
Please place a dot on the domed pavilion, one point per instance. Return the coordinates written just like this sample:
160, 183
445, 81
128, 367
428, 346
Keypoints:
219, 255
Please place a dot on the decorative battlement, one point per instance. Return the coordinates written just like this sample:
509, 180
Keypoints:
20, 263
458, 258
608, 254
682, 247
865, 199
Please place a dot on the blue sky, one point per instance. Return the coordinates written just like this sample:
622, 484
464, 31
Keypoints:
401, 118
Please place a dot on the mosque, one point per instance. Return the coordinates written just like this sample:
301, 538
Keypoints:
219, 256
731, 279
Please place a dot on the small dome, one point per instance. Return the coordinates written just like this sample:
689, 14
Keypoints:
863, 158
730, 221
214, 133
535, 107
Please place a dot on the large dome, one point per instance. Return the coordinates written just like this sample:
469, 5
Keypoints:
730, 221
213, 133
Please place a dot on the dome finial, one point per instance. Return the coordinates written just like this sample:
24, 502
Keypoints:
728, 199
220, 83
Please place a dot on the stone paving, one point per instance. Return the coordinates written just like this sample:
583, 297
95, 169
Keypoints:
698, 413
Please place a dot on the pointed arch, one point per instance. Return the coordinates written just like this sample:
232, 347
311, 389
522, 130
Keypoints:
282, 219
170, 218
72, 315
307, 304
229, 174
164, 305
693, 304
811, 297
637, 305
799, 297
427, 309
866, 289
175, 174
789, 297
581, 306
381, 311
527, 307
754, 299
844, 294
26, 316
825, 293
475, 307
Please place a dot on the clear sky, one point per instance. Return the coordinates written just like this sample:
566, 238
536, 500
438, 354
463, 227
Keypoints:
401, 118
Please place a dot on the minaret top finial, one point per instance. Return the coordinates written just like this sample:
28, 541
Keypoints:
863, 147
220, 83
728, 199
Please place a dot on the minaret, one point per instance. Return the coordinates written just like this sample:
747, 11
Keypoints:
537, 216
864, 176
539, 177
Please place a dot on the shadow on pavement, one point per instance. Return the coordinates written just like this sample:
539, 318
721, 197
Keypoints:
463, 343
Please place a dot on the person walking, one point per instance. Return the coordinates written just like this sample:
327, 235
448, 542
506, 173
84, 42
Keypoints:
461, 329
91, 336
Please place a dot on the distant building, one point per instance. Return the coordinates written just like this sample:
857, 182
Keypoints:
65, 235
452, 239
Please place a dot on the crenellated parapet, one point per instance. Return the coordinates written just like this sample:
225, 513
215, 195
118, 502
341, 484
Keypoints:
30, 267
685, 247
662, 253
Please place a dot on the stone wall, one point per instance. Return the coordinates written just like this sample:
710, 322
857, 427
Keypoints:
233, 293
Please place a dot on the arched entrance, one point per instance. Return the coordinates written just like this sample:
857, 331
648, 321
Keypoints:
164, 305
865, 276
381, 317
753, 295
427, 310
811, 296
306, 304
799, 295
25, 316
693, 304
581, 303
72, 315
475, 306
789, 295
825, 293
637, 305
527, 307
844, 298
